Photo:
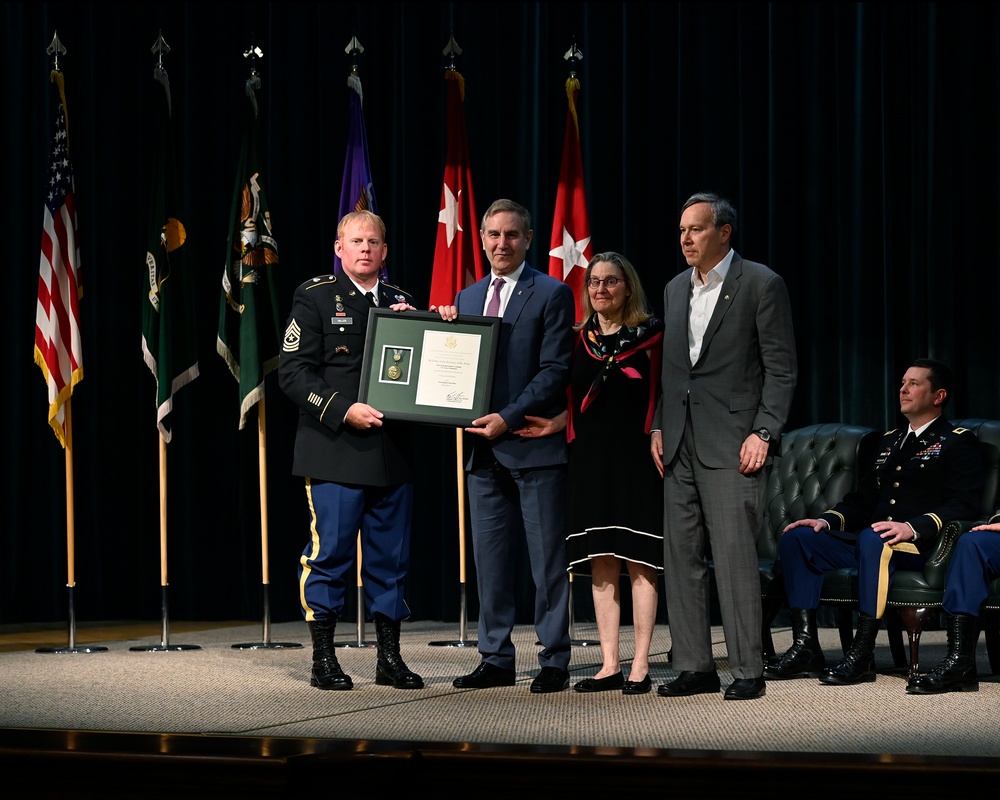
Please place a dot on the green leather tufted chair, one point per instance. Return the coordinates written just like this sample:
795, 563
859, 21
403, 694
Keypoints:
814, 468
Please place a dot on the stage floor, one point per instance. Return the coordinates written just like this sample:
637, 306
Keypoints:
235, 709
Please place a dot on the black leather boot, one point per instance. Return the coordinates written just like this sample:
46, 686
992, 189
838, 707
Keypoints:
390, 669
957, 673
858, 665
804, 659
326, 671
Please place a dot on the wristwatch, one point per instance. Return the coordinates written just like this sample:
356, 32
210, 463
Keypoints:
764, 434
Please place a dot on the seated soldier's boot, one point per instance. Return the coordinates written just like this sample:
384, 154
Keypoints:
957, 672
326, 671
858, 664
804, 659
391, 670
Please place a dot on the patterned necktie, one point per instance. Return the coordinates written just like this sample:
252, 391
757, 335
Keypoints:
493, 309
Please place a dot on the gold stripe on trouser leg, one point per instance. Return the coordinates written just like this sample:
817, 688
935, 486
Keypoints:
883, 572
310, 615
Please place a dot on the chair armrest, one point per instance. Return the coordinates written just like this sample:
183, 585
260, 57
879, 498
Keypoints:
937, 562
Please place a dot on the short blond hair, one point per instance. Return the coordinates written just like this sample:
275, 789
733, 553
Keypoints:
361, 216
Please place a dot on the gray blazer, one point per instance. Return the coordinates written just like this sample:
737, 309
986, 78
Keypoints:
746, 372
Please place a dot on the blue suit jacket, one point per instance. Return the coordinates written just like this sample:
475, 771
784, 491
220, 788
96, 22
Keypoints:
532, 367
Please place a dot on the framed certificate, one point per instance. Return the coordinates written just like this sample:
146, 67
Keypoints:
418, 367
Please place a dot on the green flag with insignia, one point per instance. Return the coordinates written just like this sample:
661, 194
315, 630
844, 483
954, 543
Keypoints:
248, 311
169, 333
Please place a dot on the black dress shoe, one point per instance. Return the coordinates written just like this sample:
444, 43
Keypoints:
688, 683
550, 679
746, 689
611, 682
638, 687
485, 676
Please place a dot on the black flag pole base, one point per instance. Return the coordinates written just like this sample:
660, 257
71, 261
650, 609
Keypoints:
454, 643
574, 642
71, 645
164, 645
461, 641
578, 643
265, 643
360, 640
83, 648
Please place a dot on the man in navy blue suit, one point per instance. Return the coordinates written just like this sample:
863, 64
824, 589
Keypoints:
514, 481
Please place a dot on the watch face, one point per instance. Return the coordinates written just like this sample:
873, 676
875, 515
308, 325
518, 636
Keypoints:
764, 434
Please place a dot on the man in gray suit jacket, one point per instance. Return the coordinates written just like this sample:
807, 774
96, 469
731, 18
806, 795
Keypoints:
728, 376
517, 482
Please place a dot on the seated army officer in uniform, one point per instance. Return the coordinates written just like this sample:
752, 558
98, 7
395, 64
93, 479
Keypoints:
923, 476
974, 566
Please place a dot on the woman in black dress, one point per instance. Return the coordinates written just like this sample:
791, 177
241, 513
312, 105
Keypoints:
615, 513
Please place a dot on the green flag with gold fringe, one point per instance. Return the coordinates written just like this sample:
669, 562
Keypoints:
169, 330
248, 311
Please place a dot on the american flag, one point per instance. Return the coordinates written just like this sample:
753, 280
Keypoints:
58, 352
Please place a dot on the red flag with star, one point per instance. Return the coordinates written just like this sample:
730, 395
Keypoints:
458, 259
570, 248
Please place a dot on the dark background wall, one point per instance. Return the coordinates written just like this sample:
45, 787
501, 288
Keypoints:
859, 142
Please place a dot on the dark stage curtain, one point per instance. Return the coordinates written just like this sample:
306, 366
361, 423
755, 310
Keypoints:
859, 142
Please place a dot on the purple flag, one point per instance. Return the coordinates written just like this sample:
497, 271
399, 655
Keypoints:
356, 192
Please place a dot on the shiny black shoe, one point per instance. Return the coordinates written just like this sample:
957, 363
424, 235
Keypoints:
858, 664
638, 687
798, 662
550, 679
688, 683
610, 683
485, 676
746, 689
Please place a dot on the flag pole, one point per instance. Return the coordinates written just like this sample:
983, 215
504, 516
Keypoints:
250, 350
463, 611
54, 375
164, 644
159, 224
265, 643
570, 253
71, 646
457, 158
356, 193
360, 590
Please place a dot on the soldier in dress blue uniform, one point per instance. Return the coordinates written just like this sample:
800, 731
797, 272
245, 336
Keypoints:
974, 566
924, 475
355, 463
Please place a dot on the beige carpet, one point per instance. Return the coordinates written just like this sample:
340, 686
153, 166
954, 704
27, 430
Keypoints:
222, 690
